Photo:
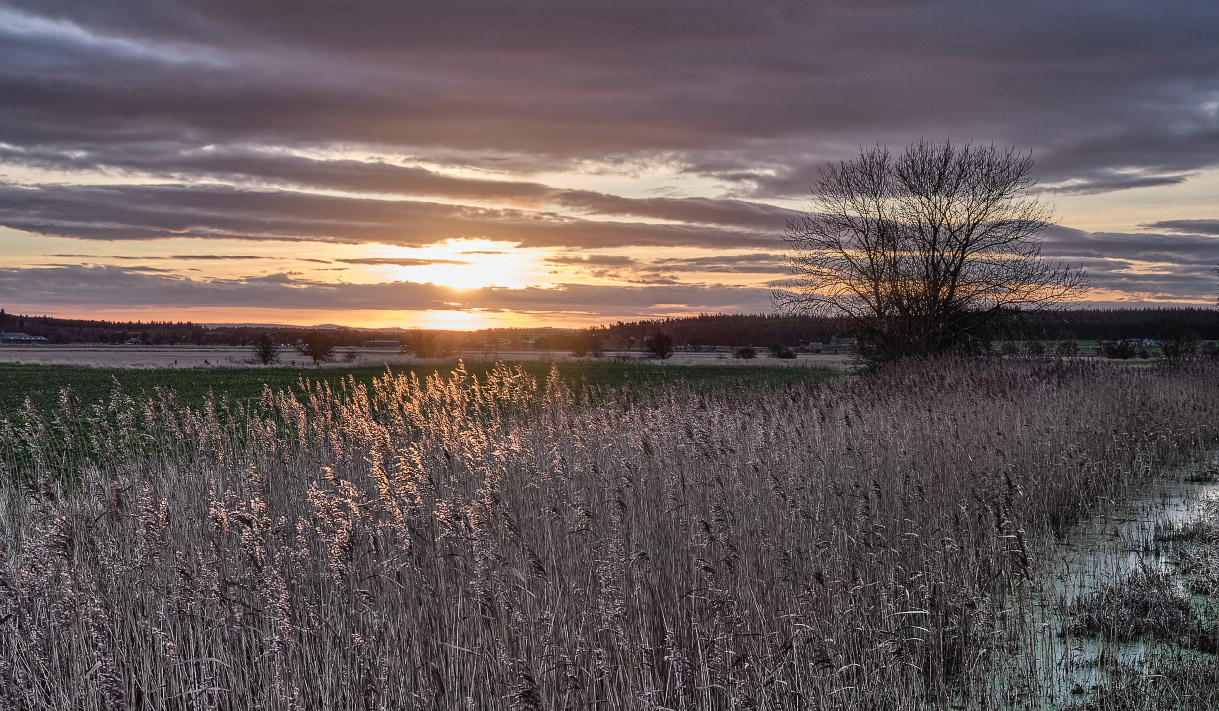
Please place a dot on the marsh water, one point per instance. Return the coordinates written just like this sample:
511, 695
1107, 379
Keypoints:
1128, 538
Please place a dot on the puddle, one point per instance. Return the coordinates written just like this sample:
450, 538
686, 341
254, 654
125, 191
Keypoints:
1098, 552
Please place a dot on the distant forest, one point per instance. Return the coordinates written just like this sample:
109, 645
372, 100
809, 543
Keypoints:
1079, 324
731, 330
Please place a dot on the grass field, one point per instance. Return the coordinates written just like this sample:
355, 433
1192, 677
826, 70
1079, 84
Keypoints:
43, 383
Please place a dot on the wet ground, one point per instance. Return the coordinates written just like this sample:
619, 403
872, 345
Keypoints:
1115, 598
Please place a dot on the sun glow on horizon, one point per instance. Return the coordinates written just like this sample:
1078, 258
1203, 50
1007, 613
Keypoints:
459, 264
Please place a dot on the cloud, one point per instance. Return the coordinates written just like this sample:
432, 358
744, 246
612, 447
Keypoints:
591, 260
1180, 249
1196, 227
760, 263
176, 257
135, 120
769, 91
123, 287
735, 213
400, 261
135, 212
1109, 181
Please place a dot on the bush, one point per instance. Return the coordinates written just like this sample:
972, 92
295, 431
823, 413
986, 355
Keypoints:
745, 353
588, 343
1121, 349
778, 351
1067, 348
266, 351
428, 344
660, 345
1178, 342
317, 345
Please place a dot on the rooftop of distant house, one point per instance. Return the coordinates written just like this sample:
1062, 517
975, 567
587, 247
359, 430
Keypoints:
21, 338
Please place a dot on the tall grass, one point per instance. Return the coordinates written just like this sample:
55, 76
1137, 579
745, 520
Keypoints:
496, 543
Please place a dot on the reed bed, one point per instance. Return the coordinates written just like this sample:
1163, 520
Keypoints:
500, 543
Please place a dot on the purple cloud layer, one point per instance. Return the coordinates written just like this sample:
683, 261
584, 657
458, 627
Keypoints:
221, 114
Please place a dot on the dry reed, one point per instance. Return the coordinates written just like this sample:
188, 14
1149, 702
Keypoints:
462, 543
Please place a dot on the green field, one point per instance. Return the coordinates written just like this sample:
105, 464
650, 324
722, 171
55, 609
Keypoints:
43, 383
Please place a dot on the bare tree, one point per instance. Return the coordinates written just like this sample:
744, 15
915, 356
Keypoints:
317, 345
660, 345
923, 250
587, 343
266, 350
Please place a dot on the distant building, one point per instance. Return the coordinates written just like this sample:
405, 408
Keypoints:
21, 338
839, 346
814, 347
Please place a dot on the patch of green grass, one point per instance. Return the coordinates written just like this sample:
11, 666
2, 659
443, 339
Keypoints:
42, 383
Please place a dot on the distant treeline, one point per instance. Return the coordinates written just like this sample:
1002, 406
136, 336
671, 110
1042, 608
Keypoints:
1111, 324
158, 333
766, 330
731, 330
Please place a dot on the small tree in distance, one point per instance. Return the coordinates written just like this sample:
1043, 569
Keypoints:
660, 345
266, 350
1177, 341
317, 345
429, 344
587, 343
922, 251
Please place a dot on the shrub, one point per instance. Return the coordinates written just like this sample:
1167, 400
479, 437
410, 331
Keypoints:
428, 344
1121, 349
1066, 348
587, 343
659, 345
317, 345
745, 353
266, 350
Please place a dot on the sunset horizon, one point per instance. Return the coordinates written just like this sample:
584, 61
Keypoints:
472, 166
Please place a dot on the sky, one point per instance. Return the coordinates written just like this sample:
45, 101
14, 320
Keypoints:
473, 164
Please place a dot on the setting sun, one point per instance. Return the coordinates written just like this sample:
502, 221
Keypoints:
455, 263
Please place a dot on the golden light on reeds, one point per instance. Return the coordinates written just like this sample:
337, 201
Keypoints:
499, 542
